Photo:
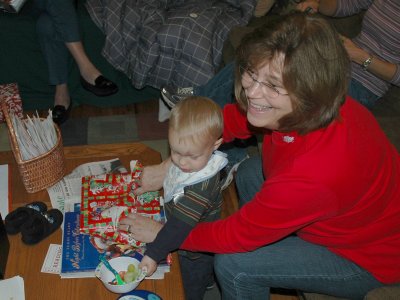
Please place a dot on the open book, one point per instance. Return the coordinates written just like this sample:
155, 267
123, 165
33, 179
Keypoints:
12, 6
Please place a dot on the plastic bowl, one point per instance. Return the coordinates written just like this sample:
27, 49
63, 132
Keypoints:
119, 264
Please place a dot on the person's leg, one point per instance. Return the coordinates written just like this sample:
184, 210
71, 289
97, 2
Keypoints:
220, 87
197, 274
54, 51
65, 36
66, 27
358, 92
291, 263
88, 71
56, 56
249, 178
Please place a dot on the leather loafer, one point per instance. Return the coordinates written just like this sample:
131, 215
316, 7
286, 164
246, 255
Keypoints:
102, 86
61, 114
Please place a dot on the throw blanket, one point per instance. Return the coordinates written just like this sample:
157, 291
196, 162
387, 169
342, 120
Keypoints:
160, 42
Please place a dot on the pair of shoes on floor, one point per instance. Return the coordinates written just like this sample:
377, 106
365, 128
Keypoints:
172, 95
60, 114
34, 222
102, 86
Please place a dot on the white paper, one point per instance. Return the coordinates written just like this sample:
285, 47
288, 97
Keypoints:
52, 261
160, 272
4, 201
67, 192
12, 288
35, 136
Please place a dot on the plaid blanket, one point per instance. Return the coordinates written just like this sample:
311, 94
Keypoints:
159, 42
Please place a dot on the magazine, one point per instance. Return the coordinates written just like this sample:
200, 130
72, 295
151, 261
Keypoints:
79, 256
12, 6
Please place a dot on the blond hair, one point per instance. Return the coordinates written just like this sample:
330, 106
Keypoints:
197, 118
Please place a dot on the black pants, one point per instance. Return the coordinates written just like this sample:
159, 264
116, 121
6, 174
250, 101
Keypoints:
197, 273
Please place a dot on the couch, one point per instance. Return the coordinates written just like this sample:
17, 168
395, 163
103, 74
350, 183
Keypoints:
154, 43
387, 113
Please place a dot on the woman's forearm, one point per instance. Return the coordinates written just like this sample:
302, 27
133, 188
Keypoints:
380, 68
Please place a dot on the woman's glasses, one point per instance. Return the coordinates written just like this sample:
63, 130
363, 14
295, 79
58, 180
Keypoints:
267, 88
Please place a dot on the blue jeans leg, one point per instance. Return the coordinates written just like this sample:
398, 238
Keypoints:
220, 87
291, 263
358, 92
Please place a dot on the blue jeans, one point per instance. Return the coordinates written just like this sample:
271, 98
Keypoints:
290, 263
220, 87
358, 92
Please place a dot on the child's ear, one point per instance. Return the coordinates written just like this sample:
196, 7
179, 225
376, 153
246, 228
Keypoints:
217, 144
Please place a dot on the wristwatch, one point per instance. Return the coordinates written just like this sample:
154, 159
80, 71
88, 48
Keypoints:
366, 63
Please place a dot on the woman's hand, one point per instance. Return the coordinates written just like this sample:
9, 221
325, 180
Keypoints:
141, 228
380, 68
149, 264
355, 53
152, 177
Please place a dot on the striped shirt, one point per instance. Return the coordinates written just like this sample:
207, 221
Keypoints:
379, 36
201, 202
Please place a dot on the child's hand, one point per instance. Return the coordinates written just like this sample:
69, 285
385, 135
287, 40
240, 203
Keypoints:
149, 264
152, 177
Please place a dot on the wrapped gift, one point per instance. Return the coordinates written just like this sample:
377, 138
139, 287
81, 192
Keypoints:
10, 94
108, 198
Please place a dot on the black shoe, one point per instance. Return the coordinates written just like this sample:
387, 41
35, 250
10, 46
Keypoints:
61, 114
40, 226
102, 86
16, 219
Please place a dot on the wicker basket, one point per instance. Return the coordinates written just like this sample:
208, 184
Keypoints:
40, 172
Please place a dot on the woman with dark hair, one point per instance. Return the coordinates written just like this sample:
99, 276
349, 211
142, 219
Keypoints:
320, 209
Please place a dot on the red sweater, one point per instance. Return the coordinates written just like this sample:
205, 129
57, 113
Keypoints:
338, 187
